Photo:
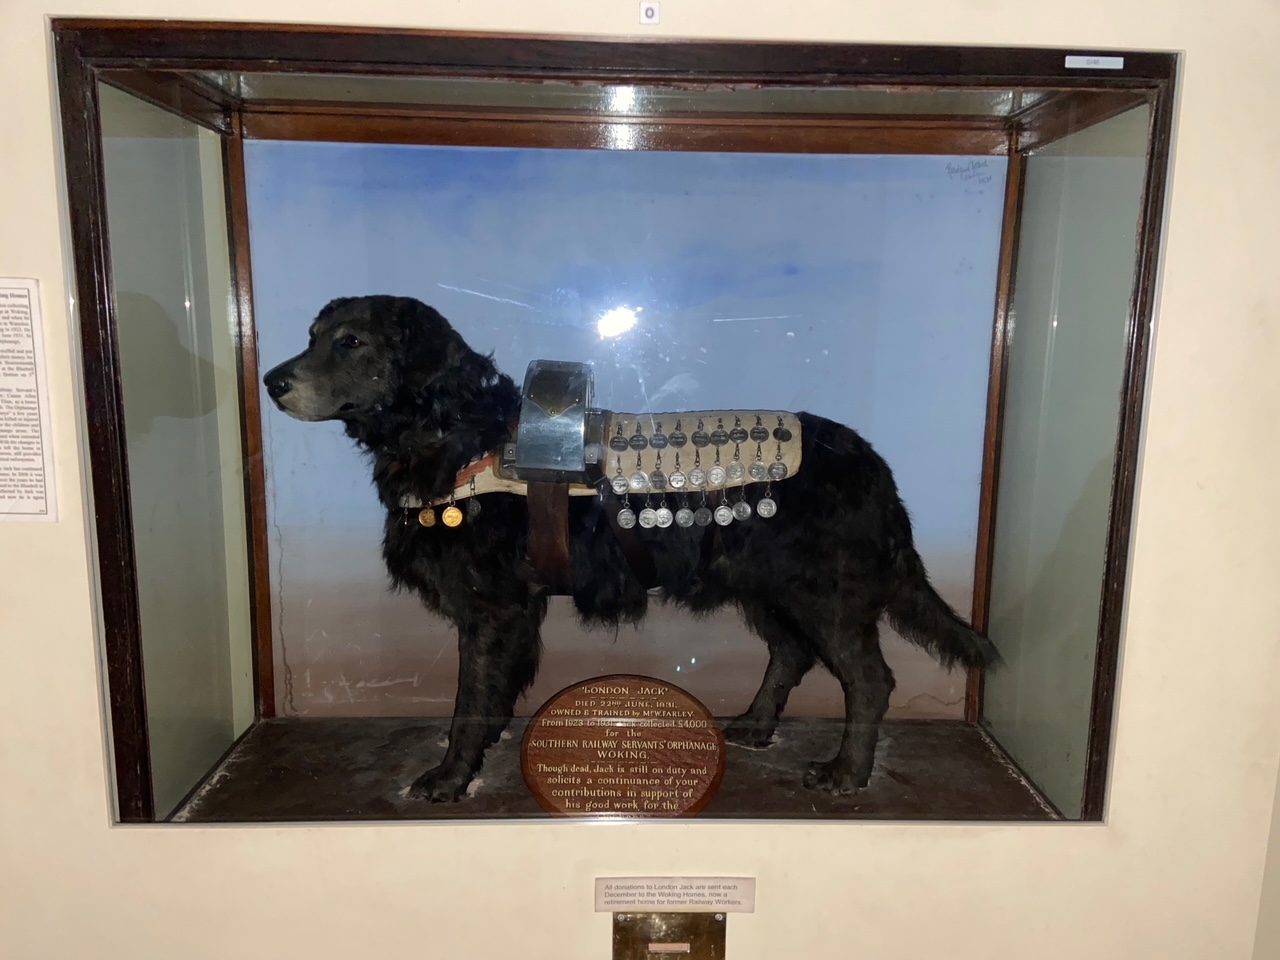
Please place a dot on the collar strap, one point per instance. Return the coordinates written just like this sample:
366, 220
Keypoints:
483, 472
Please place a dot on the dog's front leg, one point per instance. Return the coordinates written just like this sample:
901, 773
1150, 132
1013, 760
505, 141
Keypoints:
497, 660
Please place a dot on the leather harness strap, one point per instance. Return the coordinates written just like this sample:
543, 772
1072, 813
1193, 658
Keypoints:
473, 470
548, 545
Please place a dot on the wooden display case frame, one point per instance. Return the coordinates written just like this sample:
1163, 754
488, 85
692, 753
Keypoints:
167, 64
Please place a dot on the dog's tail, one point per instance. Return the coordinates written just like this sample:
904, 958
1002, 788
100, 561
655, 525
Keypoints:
924, 618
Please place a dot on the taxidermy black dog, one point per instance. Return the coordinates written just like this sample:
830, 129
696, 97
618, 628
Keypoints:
812, 581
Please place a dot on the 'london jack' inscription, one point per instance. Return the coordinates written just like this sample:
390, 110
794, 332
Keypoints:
623, 746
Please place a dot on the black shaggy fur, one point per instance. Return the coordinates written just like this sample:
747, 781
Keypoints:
813, 581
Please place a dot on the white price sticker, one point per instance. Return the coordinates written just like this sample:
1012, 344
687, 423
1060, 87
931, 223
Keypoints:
1095, 63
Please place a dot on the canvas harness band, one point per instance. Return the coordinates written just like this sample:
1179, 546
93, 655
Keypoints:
564, 448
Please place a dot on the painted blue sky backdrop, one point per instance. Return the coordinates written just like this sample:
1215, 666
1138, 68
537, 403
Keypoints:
857, 287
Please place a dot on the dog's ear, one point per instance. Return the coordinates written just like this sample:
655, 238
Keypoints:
333, 305
435, 355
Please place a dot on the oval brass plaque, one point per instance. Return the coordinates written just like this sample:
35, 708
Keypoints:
623, 746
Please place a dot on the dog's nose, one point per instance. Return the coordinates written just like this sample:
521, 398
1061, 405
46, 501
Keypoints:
277, 384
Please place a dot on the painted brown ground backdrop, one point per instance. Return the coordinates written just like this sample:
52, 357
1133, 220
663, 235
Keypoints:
355, 650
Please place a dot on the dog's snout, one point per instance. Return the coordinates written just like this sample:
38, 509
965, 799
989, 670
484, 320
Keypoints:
278, 384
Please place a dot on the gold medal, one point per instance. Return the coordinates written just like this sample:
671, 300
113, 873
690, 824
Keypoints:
427, 517
452, 516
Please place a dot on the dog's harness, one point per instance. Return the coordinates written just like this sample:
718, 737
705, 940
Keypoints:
700, 461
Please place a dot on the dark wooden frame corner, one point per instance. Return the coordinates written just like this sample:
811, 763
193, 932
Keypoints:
108, 453
255, 480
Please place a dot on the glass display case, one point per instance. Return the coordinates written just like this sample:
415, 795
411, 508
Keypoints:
314, 267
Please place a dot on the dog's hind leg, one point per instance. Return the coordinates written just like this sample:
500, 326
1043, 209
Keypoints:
856, 661
790, 658
497, 661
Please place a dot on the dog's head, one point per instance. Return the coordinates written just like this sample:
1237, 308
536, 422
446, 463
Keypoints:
365, 355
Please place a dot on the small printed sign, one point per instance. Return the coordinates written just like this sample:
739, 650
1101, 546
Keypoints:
676, 894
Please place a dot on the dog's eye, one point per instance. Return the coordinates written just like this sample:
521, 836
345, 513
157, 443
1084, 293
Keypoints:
351, 341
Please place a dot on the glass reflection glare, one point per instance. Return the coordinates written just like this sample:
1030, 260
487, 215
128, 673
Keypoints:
622, 136
616, 322
621, 99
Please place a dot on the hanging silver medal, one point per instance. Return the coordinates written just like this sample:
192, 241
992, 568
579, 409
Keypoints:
658, 479
677, 437
720, 436
648, 516
702, 516
742, 509
736, 471
637, 441
663, 515
684, 516
639, 481
658, 440
619, 482
700, 436
716, 476
766, 507
626, 518
778, 469
677, 480
697, 476
724, 513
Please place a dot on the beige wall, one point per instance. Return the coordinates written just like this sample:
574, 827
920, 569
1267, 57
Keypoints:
1176, 872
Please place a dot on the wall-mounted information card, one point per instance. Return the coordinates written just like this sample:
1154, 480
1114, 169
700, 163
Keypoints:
26, 443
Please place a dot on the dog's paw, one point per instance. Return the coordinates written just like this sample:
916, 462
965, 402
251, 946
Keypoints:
439, 785
748, 733
834, 777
